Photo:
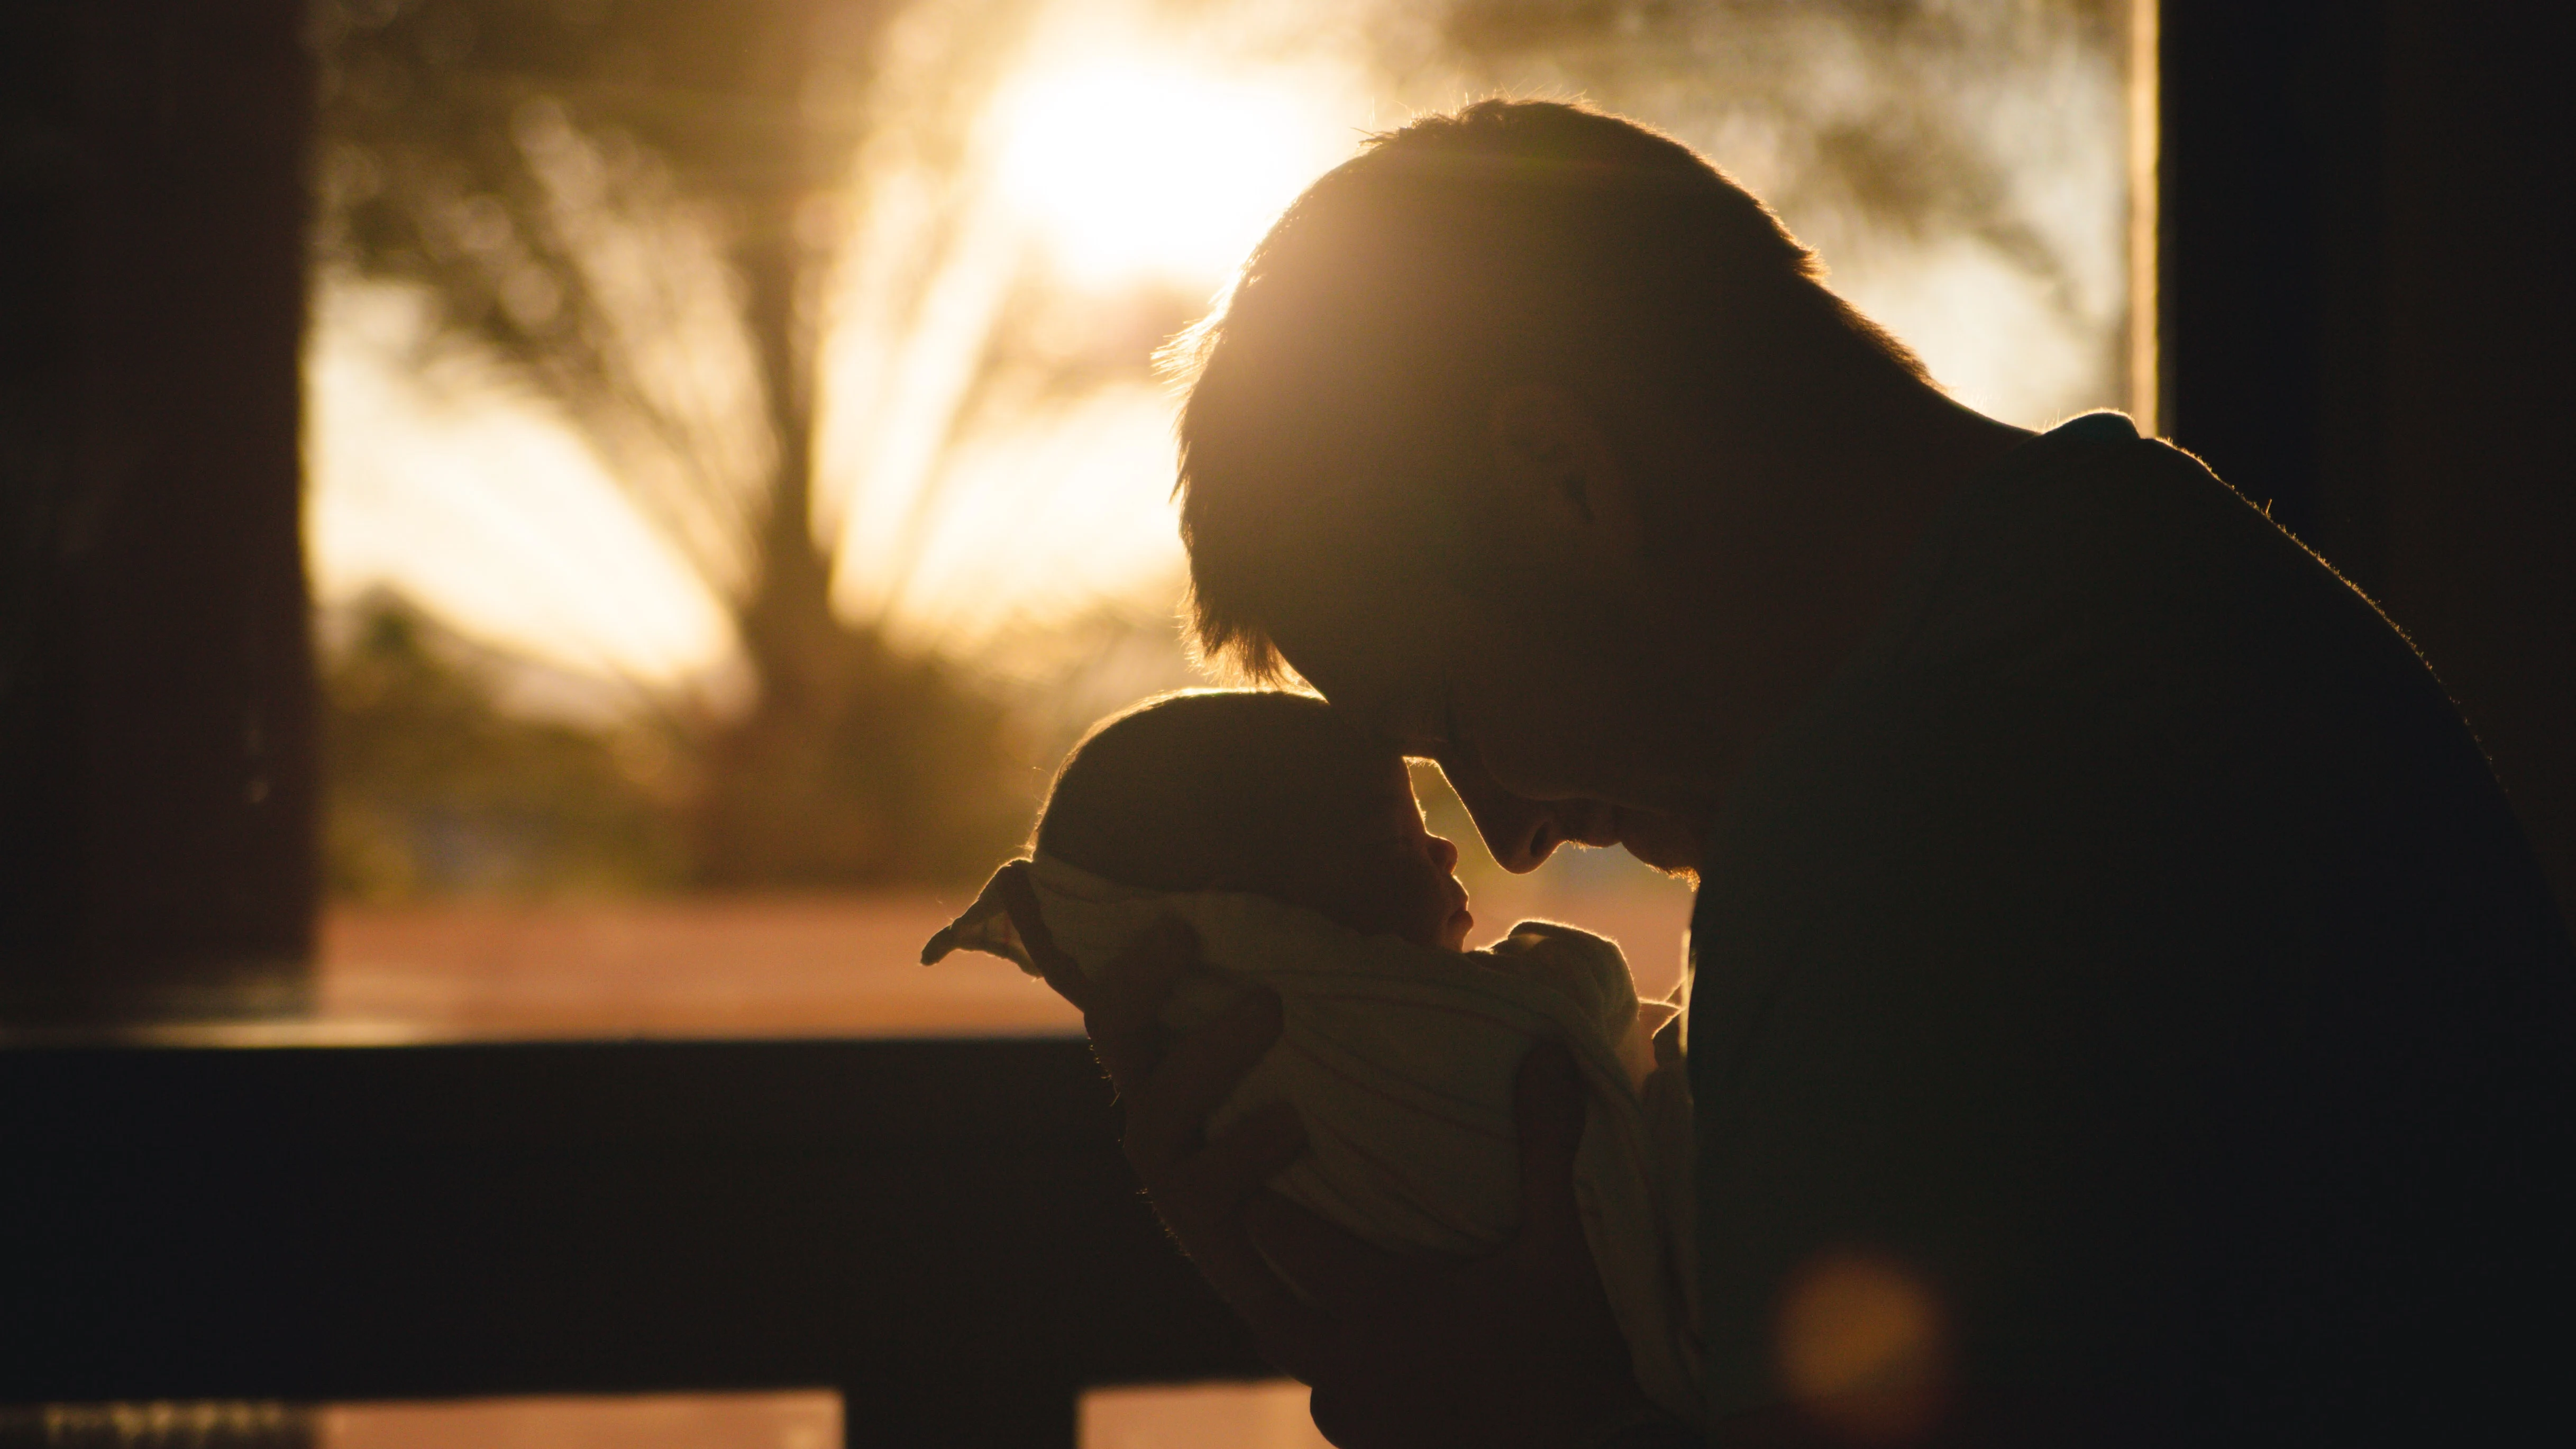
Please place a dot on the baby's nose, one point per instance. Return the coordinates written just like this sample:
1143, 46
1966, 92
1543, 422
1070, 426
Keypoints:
1444, 852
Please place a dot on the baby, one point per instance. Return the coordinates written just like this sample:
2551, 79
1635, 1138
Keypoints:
1297, 852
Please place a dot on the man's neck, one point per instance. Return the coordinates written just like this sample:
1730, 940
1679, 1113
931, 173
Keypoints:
1859, 502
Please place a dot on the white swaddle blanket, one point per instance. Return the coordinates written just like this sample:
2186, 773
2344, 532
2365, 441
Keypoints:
1401, 1061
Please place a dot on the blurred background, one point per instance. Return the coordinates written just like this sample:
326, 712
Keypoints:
736, 472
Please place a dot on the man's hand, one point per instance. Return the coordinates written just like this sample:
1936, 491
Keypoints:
1518, 1348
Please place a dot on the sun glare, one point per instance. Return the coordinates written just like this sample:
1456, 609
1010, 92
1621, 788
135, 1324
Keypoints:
1135, 165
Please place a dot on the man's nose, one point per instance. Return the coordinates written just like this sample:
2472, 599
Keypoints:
1444, 852
1522, 833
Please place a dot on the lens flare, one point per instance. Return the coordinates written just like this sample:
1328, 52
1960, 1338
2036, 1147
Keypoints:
1863, 1347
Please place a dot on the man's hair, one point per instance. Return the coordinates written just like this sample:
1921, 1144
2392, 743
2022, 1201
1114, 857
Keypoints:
1338, 388
1212, 788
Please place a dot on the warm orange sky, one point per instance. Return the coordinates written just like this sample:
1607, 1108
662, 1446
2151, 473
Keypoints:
1108, 153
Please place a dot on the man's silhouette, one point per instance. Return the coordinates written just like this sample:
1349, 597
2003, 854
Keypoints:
2124, 1008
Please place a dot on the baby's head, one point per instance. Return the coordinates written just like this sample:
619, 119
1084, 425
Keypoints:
1261, 792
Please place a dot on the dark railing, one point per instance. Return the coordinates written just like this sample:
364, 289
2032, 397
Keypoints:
943, 1231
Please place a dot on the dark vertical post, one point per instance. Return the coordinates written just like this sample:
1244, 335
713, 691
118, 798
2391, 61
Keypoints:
2270, 258
156, 695
2366, 298
2480, 382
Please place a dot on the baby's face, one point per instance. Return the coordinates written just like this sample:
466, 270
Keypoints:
1387, 874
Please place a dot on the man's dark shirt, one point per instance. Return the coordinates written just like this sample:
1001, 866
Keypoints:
2132, 951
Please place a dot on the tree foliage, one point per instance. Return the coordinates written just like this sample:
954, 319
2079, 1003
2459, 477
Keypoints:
434, 789
626, 203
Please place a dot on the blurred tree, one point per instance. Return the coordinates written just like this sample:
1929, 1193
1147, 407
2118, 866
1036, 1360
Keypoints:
628, 202
1882, 103
434, 789
1878, 128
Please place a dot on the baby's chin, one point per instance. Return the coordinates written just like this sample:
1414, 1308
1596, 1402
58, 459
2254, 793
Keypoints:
1453, 933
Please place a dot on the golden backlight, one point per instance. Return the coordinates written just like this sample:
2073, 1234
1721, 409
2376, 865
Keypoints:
1115, 177
1140, 163
1016, 174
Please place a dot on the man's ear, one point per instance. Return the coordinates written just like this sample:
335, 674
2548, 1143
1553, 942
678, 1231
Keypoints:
1556, 468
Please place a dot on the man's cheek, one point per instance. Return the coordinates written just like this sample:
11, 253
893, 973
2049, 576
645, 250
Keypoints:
1551, 749
1536, 768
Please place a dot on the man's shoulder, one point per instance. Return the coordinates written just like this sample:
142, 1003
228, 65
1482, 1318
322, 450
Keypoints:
2112, 681
2096, 541
2118, 946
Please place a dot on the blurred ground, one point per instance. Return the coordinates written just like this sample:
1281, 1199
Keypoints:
1187, 1416
800, 1420
1199, 1416
778, 965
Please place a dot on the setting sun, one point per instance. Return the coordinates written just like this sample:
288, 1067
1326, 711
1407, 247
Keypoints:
1136, 165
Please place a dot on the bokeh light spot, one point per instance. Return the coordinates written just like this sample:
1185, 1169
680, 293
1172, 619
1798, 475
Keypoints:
1863, 1347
